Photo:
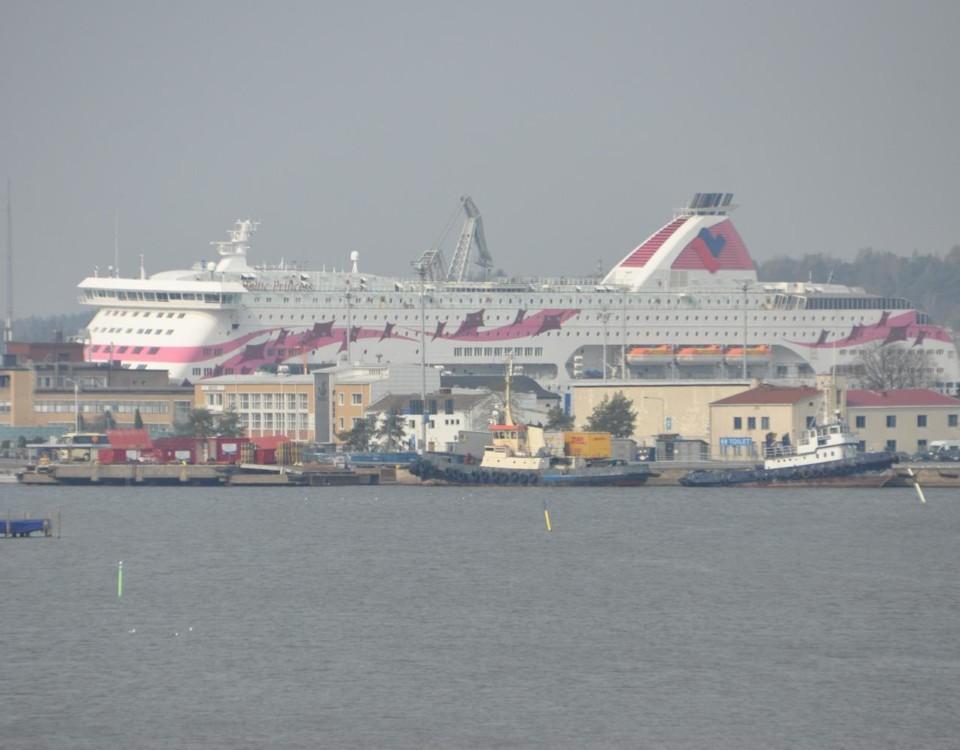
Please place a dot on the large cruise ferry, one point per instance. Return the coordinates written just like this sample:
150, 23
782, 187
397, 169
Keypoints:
685, 303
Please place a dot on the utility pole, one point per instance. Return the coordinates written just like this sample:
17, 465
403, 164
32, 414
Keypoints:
744, 364
605, 316
8, 321
349, 325
423, 362
623, 337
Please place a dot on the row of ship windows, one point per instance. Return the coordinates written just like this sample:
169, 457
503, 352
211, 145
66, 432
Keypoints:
124, 349
610, 318
144, 313
143, 331
131, 296
615, 301
497, 351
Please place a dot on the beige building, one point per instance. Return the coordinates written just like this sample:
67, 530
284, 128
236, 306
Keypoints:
663, 406
906, 420
267, 404
311, 408
49, 398
354, 389
743, 423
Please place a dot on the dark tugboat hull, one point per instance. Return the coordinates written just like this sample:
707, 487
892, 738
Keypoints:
862, 465
452, 471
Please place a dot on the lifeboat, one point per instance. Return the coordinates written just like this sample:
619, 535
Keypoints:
661, 354
711, 354
757, 354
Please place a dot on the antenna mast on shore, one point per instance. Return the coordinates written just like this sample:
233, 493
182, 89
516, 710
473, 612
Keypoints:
8, 321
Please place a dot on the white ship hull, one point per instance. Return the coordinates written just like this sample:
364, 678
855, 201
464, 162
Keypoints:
691, 284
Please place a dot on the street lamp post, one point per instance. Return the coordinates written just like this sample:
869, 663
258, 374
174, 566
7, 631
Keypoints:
423, 362
623, 336
744, 358
76, 403
606, 315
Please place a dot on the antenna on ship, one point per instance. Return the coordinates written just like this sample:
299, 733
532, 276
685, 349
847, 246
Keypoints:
116, 243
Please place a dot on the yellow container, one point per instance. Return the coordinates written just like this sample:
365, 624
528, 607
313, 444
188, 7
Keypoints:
587, 444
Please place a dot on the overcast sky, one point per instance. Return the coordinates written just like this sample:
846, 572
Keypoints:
576, 127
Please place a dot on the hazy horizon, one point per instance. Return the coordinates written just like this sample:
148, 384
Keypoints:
577, 130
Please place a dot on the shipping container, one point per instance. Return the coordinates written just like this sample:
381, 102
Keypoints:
587, 444
265, 456
227, 450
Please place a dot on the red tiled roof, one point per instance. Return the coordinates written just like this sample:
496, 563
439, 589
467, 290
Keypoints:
129, 439
769, 394
899, 397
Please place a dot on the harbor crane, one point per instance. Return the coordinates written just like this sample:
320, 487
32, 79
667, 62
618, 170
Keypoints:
432, 265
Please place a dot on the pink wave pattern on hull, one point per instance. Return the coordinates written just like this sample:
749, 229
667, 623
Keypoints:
282, 344
888, 330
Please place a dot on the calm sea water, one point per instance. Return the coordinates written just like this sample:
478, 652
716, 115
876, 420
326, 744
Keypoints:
450, 618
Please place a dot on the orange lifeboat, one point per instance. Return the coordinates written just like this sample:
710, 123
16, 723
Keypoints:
757, 354
660, 354
710, 354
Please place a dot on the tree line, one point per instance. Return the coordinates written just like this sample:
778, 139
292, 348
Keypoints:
929, 281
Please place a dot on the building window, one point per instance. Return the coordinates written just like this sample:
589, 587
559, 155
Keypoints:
737, 423
340, 399
811, 421
891, 420
764, 423
892, 445
751, 423
356, 399
861, 422
951, 420
862, 446
921, 445
921, 420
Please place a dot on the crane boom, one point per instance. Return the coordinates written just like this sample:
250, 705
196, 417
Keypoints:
472, 233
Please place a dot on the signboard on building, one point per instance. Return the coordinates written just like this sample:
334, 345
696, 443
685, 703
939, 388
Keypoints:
732, 441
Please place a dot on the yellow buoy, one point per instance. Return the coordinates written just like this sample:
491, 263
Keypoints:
546, 515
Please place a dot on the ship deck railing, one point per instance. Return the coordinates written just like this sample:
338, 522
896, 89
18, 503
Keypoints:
779, 451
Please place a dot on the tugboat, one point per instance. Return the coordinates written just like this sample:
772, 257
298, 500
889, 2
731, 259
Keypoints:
822, 453
517, 455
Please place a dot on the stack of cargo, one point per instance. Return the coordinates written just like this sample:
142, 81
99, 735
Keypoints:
248, 453
587, 444
289, 453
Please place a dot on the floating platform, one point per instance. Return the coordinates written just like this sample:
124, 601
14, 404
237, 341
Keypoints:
24, 527
203, 474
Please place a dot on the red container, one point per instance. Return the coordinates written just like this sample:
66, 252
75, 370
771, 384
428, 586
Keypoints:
228, 449
175, 450
266, 455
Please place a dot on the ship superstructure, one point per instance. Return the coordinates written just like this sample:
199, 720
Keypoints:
686, 302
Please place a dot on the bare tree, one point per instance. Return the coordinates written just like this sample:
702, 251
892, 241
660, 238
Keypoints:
886, 367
